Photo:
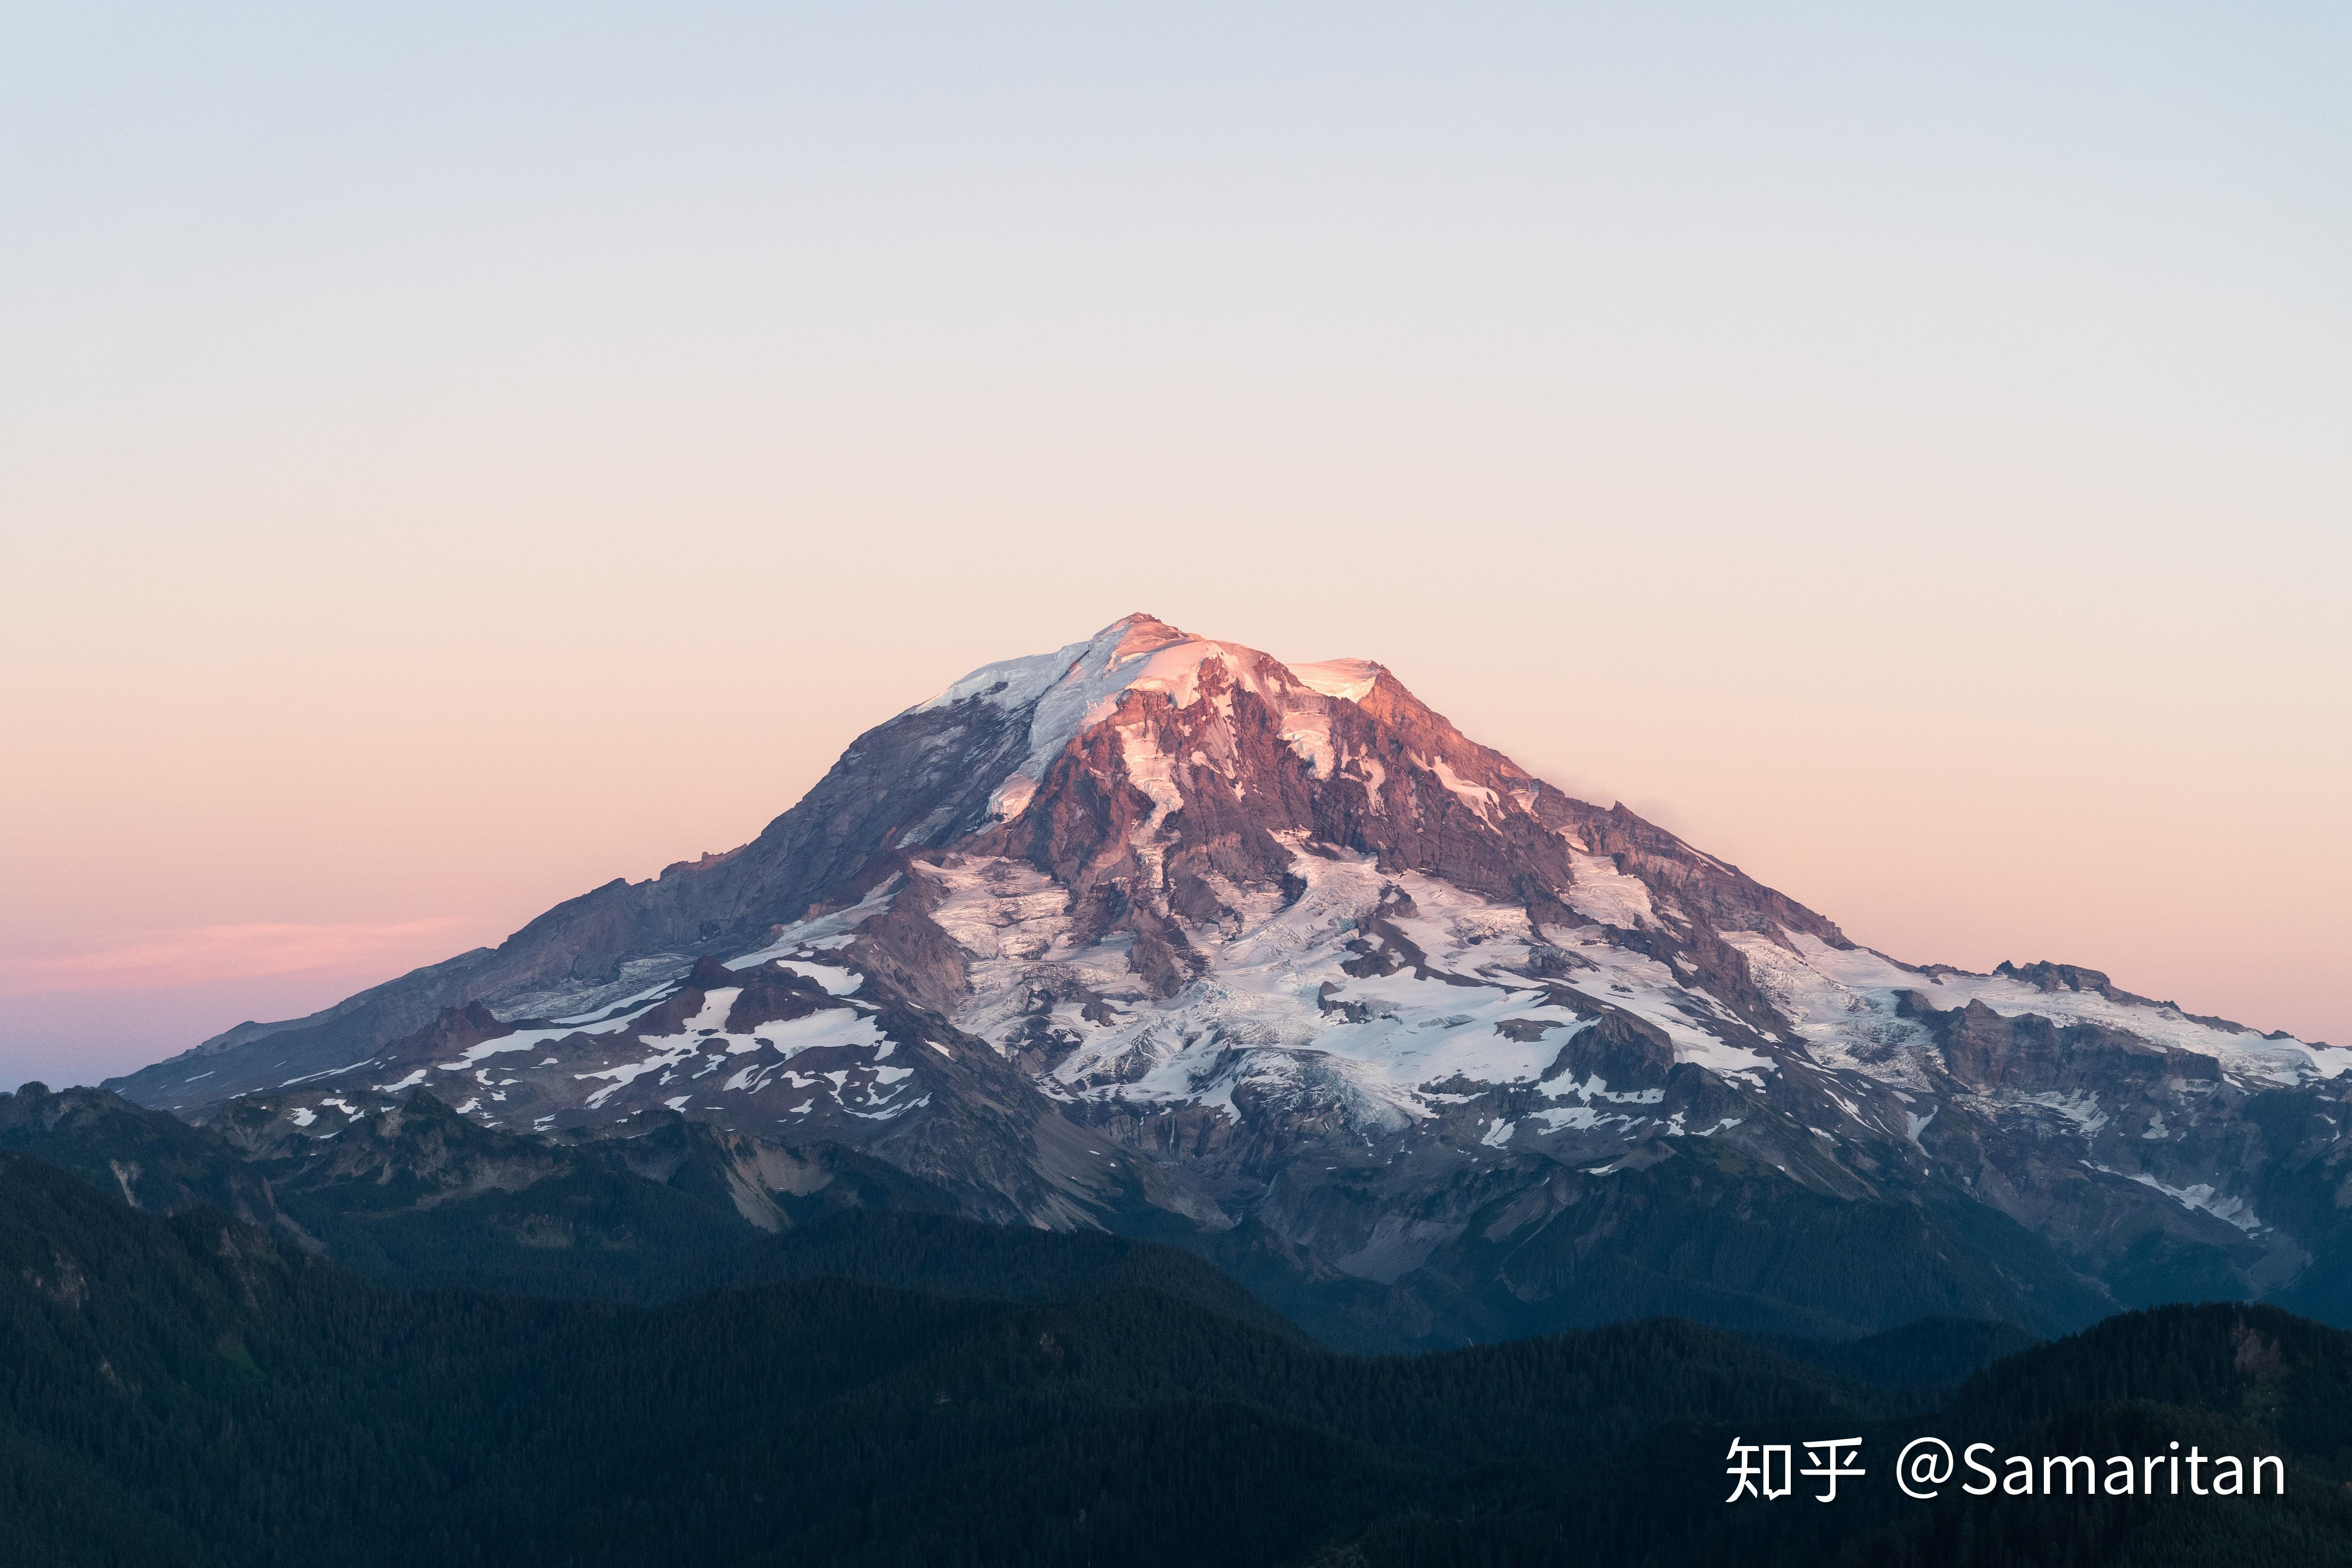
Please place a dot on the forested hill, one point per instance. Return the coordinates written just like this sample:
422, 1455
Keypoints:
185, 1391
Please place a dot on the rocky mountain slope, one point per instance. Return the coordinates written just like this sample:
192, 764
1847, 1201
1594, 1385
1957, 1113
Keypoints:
1157, 934
408, 1193
178, 1391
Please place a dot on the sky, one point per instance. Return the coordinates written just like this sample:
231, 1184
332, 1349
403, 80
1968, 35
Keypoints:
453, 456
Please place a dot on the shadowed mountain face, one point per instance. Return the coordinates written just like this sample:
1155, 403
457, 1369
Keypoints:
1159, 934
408, 1193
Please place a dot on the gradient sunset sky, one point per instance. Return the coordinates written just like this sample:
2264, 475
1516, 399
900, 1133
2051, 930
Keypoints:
453, 456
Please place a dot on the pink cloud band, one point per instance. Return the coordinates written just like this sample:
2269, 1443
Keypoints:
191, 955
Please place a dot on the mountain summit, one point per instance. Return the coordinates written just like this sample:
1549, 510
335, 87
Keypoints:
1158, 933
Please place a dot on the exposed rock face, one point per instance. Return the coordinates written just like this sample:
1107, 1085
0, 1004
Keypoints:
1157, 931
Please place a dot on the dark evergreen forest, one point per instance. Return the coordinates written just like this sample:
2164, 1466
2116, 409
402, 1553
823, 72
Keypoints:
186, 1391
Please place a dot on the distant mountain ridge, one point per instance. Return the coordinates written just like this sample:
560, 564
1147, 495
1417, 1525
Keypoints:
178, 1391
1158, 933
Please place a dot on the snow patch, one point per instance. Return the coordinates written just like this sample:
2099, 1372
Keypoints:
1599, 891
820, 933
1349, 679
1477, 797
1276, 1012
1849, 998
528, 1039
2200, 1195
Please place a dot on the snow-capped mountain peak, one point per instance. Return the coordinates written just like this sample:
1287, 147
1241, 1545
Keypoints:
1072, 690
1156, 918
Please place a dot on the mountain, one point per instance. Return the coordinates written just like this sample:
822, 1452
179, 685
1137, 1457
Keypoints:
411, 1194
181, 1391
655, 1209
1158, 935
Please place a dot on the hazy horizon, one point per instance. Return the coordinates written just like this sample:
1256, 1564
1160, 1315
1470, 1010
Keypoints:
454, 459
